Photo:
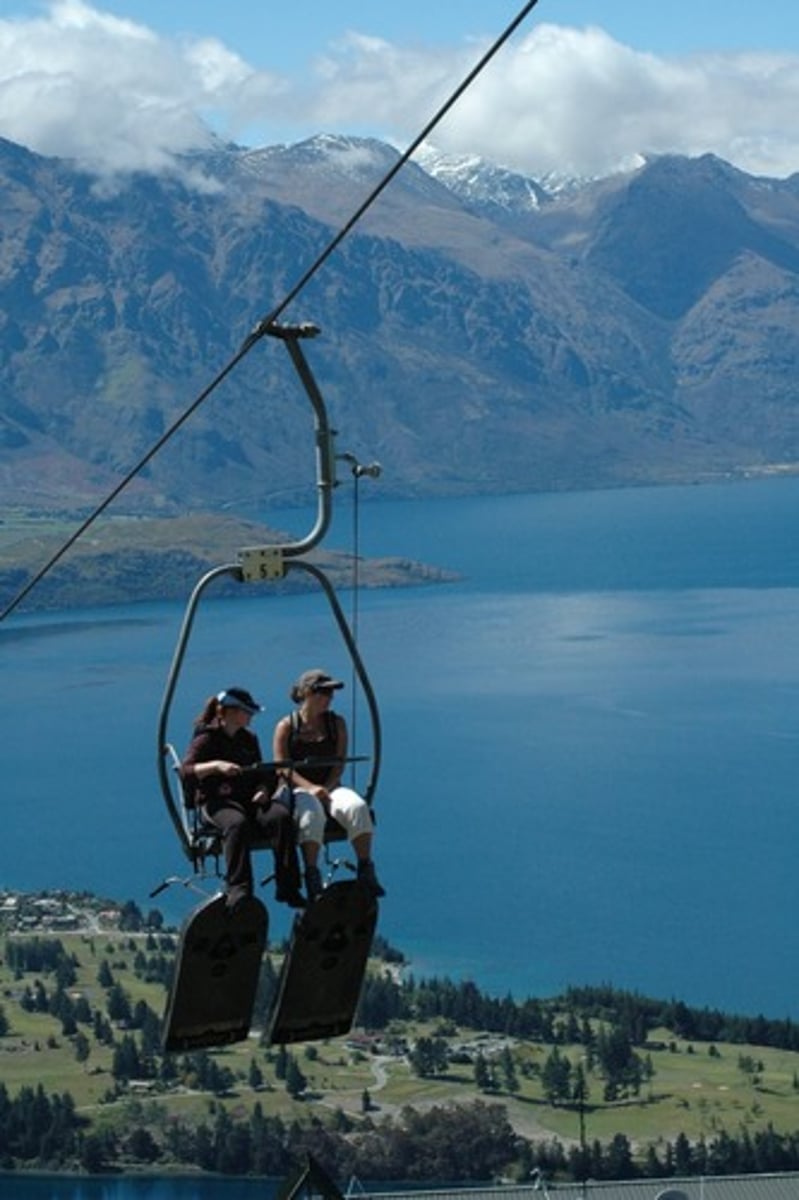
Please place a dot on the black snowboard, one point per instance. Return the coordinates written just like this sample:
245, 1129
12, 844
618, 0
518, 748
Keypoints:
216, 975
320, 982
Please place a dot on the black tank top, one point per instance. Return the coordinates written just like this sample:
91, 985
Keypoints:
301, 747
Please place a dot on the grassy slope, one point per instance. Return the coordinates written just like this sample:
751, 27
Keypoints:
693, 1092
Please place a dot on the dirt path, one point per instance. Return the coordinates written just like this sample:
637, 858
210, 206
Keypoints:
523, 1117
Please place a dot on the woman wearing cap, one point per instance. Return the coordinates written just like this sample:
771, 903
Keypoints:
314, 731
239, 803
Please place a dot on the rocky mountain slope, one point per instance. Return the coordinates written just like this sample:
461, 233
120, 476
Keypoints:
479, 332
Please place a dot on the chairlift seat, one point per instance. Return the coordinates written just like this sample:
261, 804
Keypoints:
203, 840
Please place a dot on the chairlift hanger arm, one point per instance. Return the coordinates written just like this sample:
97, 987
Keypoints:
325, 436
269, 562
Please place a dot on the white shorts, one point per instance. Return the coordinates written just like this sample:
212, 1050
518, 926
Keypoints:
347, 808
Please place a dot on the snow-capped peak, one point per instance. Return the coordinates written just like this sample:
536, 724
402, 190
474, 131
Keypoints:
478, 181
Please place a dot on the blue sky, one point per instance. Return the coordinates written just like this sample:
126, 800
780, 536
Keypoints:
282, 36
583, 88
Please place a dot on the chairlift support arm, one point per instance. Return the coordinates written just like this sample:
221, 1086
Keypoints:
325, 436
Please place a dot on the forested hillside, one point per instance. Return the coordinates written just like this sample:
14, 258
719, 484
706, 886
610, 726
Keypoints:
438, 1081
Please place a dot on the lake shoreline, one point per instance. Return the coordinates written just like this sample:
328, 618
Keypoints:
147, 560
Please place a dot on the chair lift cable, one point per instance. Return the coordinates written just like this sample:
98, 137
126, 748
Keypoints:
356, 583
358, 471
263, 326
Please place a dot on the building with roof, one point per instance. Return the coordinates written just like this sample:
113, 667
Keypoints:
310, 1182
783, 1186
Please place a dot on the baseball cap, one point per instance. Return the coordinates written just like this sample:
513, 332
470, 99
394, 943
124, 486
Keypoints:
317, 680
236, 697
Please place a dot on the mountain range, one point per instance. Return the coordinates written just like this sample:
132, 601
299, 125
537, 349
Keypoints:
481, 331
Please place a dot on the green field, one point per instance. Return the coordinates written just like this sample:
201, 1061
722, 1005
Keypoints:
694, 1089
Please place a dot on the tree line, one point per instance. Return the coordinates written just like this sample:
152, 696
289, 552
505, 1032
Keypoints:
563, 1019
459, 1142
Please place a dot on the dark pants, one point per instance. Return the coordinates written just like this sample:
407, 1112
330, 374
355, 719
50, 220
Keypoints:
241, 827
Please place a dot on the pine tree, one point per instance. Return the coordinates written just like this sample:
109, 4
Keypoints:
255, 1076
296, 1082
509, 1071
82, 1047
556, 1077
482, 1075
105, 977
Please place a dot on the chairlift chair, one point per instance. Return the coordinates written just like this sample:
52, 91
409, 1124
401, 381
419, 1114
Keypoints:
198, 838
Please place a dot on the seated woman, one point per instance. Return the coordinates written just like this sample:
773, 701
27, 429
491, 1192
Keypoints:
314, 731
239, 804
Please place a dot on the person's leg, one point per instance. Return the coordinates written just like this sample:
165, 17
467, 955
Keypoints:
352, 812
232, 821
274, 821
309, 822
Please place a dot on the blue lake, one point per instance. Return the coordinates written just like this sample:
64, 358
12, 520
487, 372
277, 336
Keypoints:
590, 743
61, 1187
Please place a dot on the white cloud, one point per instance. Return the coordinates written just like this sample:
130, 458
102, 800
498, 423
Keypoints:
113, 94
575, 100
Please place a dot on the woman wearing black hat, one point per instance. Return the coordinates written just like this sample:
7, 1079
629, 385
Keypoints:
314, 731
239, 803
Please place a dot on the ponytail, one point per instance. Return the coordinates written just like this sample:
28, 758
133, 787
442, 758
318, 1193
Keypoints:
210, 713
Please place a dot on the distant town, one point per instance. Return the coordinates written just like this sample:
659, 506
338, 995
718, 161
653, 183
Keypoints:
60, 911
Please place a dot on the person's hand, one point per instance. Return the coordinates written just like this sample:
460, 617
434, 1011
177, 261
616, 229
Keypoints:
322, 795
228, 768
